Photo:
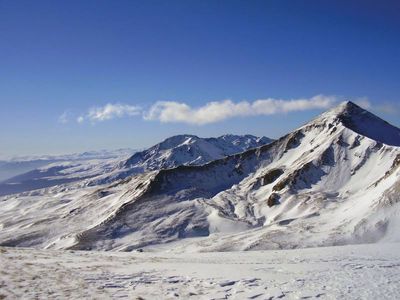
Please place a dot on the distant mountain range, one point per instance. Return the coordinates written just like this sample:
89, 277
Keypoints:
333, 181
17, 165
29, 173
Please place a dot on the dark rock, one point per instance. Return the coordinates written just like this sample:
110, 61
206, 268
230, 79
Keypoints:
273, 200
271, 176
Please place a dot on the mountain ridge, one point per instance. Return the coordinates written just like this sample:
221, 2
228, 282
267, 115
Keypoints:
169, 153
174, 151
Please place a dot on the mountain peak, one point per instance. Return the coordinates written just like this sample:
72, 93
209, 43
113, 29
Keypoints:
189, 149
364, 123
350, 108
345, 107
349, 105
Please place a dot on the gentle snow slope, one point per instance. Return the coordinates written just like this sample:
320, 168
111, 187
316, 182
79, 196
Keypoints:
347, 272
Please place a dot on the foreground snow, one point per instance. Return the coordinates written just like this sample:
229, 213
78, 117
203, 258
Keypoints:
351, 272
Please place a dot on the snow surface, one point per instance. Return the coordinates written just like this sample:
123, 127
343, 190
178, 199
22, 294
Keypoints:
345, 272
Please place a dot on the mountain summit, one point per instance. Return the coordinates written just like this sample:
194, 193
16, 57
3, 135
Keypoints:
363, 122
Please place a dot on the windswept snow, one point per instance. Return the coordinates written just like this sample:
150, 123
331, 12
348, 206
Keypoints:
346, 272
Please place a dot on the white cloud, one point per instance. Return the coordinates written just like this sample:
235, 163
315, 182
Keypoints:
363, 102
110, 111
385, 107
389, 108
171, 111
80, 119
212, 112
64, 117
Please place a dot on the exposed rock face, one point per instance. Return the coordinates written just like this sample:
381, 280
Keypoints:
294, 140
271, 176
273, 199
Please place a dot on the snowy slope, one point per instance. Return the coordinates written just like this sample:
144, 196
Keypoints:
192, 150
329, 182
347, 272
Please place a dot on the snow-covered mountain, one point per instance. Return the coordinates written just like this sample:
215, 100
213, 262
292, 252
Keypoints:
192, 150
87, 155
19, 174
17, 165
335, 180
106, 166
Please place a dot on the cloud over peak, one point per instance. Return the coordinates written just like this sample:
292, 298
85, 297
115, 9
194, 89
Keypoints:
110, 111
171, 111
210, 112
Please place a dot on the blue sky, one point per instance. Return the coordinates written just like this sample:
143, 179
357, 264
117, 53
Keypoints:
61, 60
